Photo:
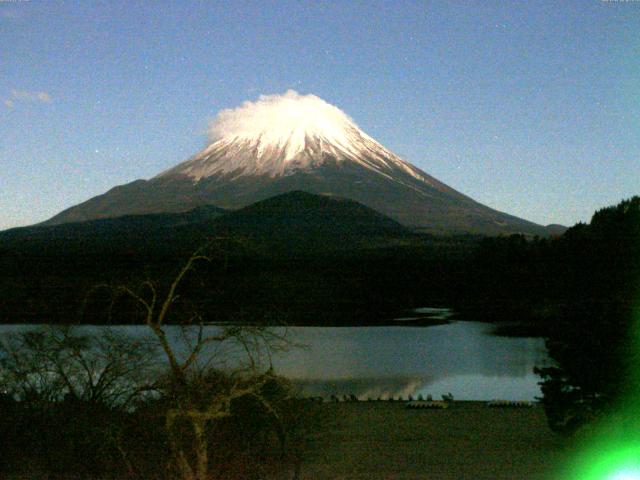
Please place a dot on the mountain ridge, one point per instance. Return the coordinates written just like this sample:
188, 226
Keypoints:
292, 222
294, 142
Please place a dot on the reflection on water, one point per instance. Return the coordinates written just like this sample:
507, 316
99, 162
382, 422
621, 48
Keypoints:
461, 358
382, 362
380, 388
416, 315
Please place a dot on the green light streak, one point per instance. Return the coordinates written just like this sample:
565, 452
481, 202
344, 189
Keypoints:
612, 451
631, 474
612, 461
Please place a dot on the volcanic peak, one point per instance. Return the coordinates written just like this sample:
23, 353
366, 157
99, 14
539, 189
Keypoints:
280, 134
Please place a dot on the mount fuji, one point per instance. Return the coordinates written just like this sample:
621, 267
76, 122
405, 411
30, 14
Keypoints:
291, 142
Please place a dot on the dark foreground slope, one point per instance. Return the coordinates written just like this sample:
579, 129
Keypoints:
292, 255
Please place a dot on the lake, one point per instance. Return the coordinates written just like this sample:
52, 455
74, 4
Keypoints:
371, 362
461, 357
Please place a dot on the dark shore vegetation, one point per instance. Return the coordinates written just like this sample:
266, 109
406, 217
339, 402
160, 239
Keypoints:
90, 438
77, 405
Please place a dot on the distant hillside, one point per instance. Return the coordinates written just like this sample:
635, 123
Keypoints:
126, 232
294, 221
554, 229
300, 220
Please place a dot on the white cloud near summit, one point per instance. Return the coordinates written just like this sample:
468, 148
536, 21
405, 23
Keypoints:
277, 115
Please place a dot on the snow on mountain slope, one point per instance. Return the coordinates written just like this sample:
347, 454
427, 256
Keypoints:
280, 134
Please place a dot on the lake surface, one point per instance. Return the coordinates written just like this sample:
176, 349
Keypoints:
371, 362
462, 358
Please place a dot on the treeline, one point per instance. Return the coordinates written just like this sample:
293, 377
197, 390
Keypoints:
53, 280
593, 336
533, 284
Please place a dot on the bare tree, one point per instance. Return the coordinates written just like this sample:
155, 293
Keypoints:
72, 376
200, 389
53, 363
184, 374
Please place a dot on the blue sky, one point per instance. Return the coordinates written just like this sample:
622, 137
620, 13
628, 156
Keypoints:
532, 108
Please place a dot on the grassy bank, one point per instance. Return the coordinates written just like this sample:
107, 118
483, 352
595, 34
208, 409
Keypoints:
385, 440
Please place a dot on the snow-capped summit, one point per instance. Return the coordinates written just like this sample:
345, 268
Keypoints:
280, 134
284, 121
290, 142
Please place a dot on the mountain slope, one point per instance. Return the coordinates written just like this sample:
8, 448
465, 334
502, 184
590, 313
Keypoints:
101, 236
300, 221
293, 142
294, 221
